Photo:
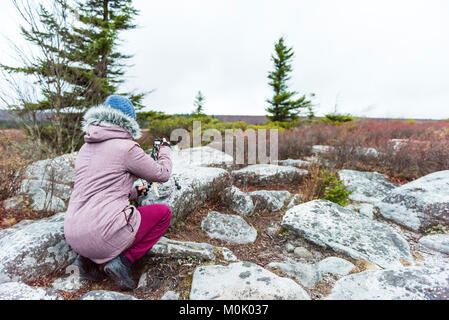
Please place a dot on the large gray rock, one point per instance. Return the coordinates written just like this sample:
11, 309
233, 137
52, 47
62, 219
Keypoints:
201, 157
106, 295
268, 175
30, 250
413, 283
419, 204
238, 201
336, 266
438, 242
21, 291
307, 274
366, 186
272, 200
197, 185
60, 170
243, 281
61, 191
38, 200
227, 227
178, 249
330, 225
47, 184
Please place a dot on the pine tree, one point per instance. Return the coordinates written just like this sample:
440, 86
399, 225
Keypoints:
283, 106
77, 64
94, 40
200, 99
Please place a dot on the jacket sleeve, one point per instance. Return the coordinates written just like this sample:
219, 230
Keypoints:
138, 163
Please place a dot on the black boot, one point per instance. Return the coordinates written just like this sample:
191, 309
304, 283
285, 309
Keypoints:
88, 269
119, 270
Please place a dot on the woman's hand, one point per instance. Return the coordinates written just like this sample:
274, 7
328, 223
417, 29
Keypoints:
165, 143
141, 190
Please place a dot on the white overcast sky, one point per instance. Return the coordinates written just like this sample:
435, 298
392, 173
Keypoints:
381, 58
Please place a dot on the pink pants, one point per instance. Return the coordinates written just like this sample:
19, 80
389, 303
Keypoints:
155, 221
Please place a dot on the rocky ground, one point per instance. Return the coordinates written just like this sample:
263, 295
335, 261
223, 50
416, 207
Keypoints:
246, 234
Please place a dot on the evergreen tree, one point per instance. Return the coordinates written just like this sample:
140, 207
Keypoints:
94, 41
200, 99
77, 64
283, 106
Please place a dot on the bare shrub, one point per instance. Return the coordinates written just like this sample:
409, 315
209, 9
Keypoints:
13, 163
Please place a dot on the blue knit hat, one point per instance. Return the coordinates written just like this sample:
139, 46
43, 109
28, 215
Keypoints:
122, 104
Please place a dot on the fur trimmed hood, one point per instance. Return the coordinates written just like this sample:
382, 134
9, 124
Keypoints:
108, 116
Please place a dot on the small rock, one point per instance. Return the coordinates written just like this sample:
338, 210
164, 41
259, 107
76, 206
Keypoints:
268, 174
335, 265
238, 201
295, 163
273, 230
178, 249
437, 242
272, 200
319, 149
301, 252
230, 228
143, 280
289, 247
228, 255
307, 274
170, 295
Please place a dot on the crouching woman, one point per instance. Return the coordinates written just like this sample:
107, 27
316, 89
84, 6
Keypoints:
100, 224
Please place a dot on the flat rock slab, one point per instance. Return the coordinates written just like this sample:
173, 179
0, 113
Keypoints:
307, 274
179, 249
243, 281
238, 201
30, 250
262, 175
366, 186
419, 204
201, 157
295, 163
413, 283
197, 185
271, 200
335, 266
437, 242
227, 227
106, 295
330, 225
21, 291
